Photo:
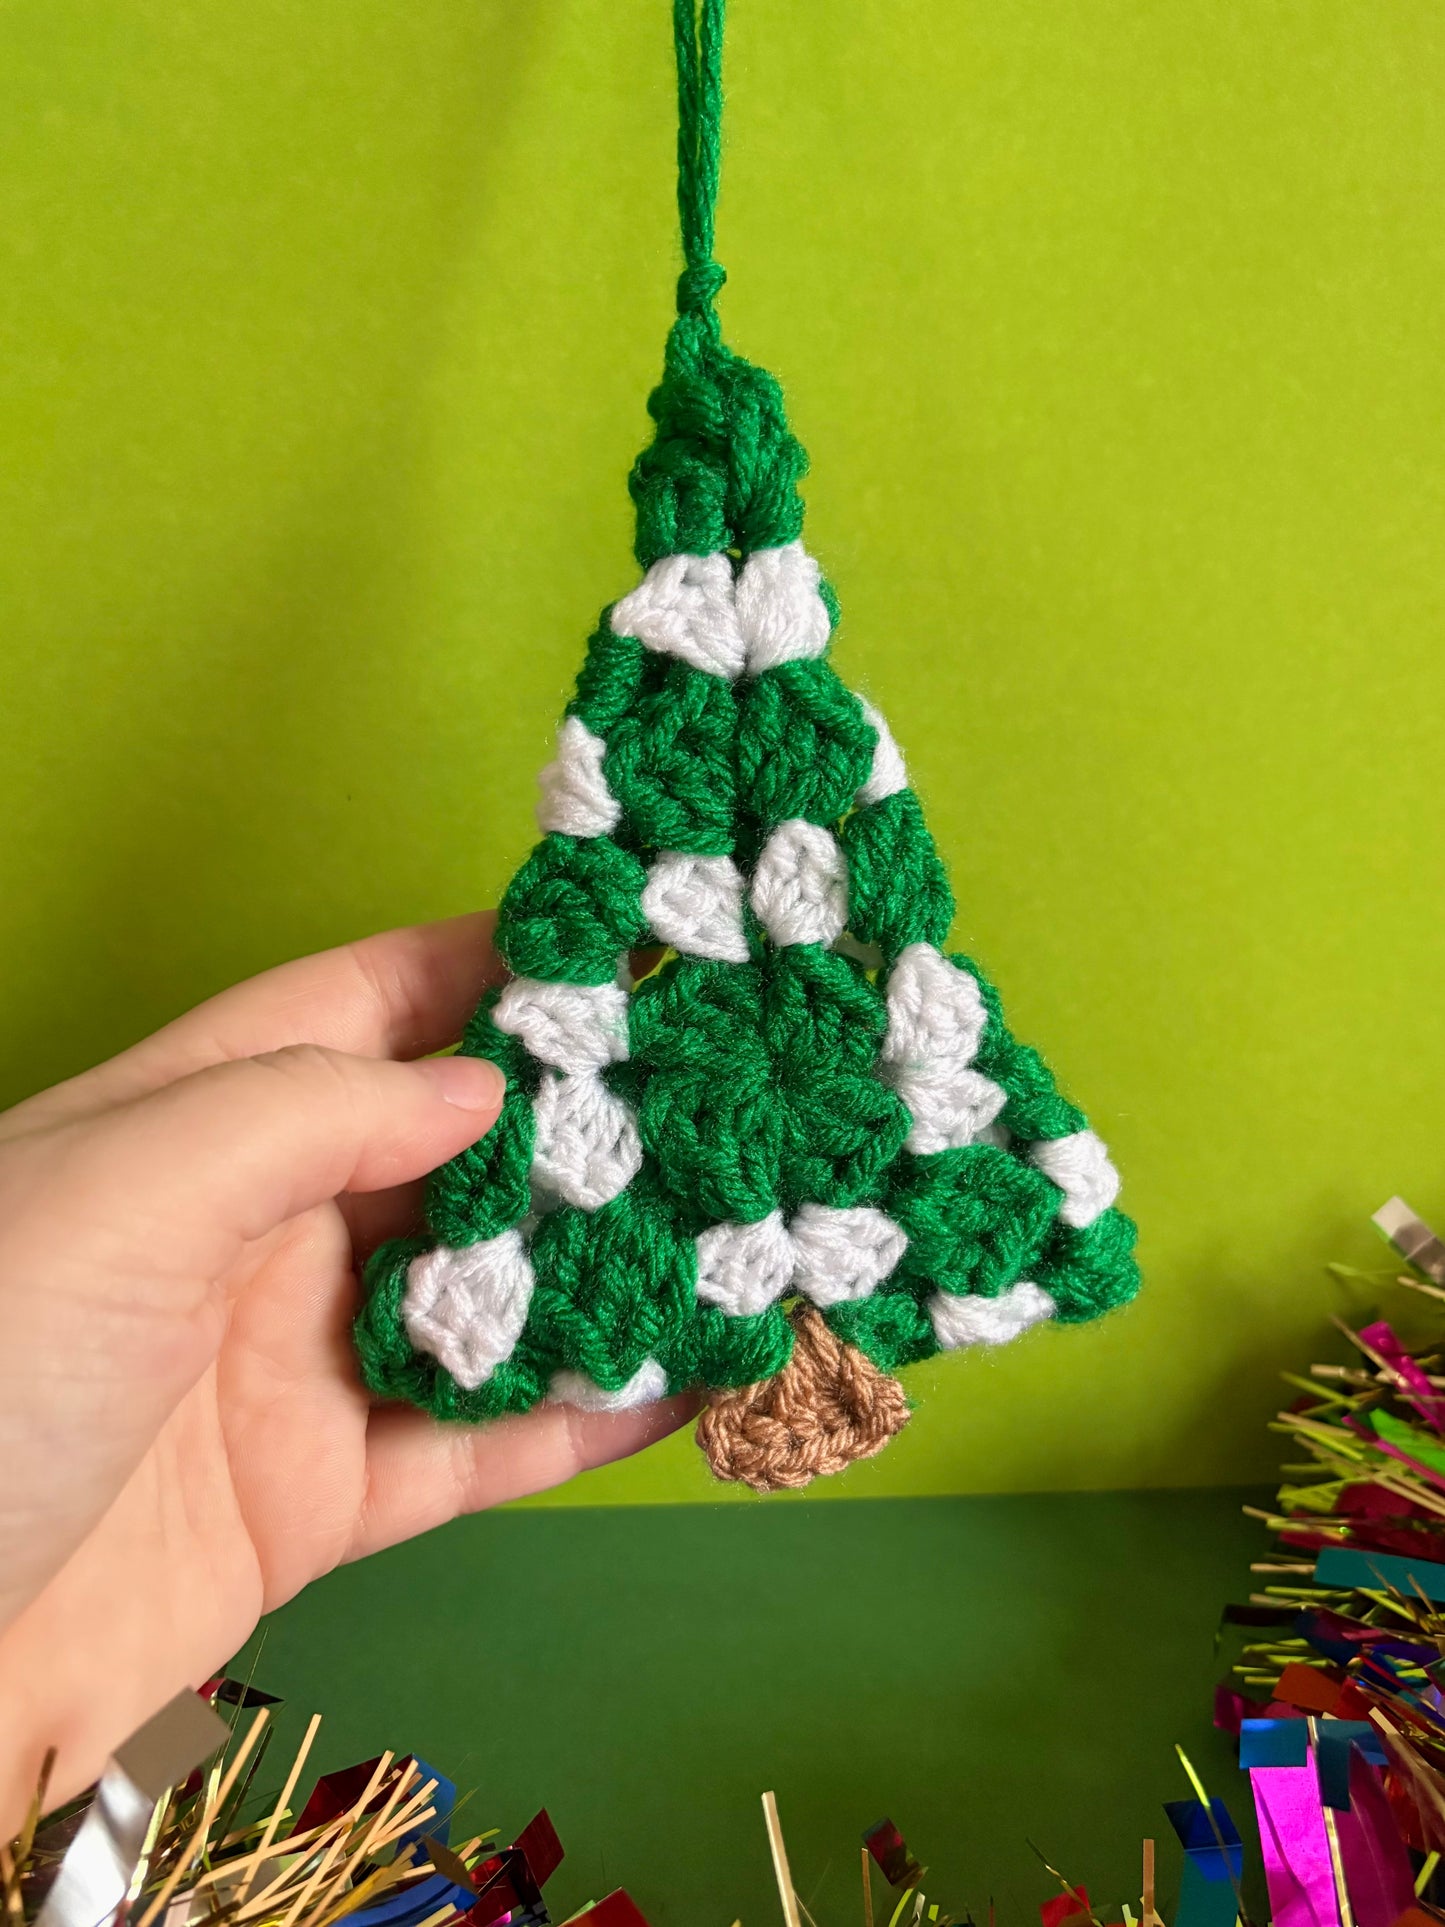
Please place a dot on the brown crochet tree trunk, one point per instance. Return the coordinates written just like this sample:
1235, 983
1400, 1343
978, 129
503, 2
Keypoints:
827, 1407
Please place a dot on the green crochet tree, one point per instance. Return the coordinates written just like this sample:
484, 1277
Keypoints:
810, 1126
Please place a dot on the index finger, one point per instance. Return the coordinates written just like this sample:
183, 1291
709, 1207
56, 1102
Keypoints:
403, 993
422, 1473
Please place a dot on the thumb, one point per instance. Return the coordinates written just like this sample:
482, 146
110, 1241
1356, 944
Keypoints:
115, 1230
187, 1174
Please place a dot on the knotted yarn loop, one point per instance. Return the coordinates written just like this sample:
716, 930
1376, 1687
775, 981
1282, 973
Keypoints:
723, 469
699, 287
826, 1408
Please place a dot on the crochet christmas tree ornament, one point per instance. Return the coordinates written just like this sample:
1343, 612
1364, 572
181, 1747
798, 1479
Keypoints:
806, 1149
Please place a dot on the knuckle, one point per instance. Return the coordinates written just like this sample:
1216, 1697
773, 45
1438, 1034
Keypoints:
312, 1067
375, 969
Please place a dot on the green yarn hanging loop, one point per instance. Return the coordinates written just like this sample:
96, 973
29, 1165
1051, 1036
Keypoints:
699, 147
698, 289
722, 471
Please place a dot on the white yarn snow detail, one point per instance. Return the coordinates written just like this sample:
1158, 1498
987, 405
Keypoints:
964, 1319
684, 607
586, 1148
780, 612
1079, 1165
575, 798
889, 773
744, 1268
844, 1252
950, 1109
935, 1011
800, 884
936, 1019
466, 1305
646, 1385
572, 1027
695, 903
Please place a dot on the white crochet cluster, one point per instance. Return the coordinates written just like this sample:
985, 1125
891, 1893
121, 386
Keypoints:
468, 1306
586, 1147
829, 1255
695, 608
834, 1255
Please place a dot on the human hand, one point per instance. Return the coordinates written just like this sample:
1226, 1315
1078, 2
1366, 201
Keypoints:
184, 1441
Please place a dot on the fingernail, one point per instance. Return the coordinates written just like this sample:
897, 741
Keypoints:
471, 1083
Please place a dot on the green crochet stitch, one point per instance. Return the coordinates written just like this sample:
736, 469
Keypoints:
809, 1100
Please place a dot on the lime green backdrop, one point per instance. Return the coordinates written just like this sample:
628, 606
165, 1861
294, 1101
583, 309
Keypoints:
1114, 331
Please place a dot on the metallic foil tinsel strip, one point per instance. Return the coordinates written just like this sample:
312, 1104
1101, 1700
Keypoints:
101, 1861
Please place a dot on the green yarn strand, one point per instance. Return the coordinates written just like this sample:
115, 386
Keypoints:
572, 911
672, 766
698, 46
1092, 1271
976, 1219
612, 1286
898, 888
723, 468
804, 745
390, 1368
609, 679
1036, 1108
890, 1327
487, 1188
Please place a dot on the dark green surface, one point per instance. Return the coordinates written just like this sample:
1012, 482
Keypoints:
979, 1669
